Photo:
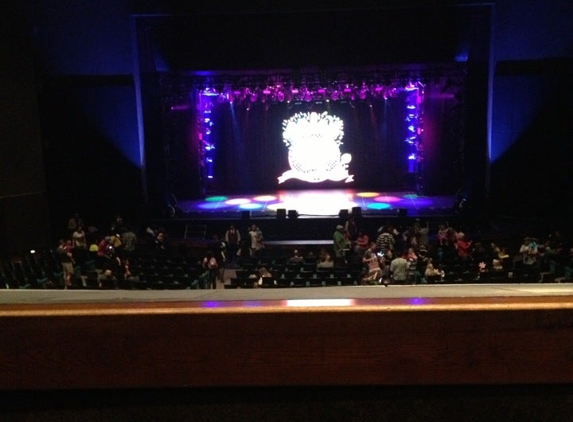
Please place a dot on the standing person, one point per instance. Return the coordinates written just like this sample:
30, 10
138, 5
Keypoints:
219, 249
211, 268
464, 250
341, 244
399, 269
385, 241
80, 245
373, 268
362, 243
256, 236
66, 259
351, 227
74, 222
233, 240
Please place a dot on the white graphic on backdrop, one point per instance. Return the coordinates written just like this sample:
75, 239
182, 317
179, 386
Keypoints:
313, 141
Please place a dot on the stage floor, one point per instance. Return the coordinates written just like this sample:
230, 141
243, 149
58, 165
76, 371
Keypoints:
323, 203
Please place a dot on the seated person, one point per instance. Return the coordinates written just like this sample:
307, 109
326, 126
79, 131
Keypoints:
263, 272
107, 279
431, 271
296, 258
497, 265
325, 260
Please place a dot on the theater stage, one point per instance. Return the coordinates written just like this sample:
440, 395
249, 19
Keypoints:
320, 203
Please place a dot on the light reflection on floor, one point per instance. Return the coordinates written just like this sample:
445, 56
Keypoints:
321, 202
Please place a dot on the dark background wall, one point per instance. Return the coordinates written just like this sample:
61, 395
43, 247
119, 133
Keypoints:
24, 222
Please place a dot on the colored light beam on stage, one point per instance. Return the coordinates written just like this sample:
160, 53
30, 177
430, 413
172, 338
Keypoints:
318, 202
274, 207
378, 206
367, 194
264, 198
383, 198
216, 199
250, 206
238, 201
211, 206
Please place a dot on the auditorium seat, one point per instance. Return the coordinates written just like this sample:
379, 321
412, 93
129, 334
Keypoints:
268, 282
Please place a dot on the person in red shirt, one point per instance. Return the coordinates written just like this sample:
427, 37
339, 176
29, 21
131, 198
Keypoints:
464, 248
362, 243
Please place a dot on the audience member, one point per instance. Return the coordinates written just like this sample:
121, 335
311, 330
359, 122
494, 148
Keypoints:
529, 253
341, 244
325, 261
296, 258
233, 241
65, 257
373, 268
464, 249
129, 241
399, 269
211, 269
385, 241
257, 240
74, 222
351, 228
362, 243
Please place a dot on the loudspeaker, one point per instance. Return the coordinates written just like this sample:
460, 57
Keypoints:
292, 214
402, 212
281, 213
343, 214
246, 215
356, 211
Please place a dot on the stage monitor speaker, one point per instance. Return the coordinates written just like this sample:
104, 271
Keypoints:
343, 214
357, 211
292, 214
246, 215
402, 212
281, 213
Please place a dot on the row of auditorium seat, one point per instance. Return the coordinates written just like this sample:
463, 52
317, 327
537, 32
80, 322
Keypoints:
43, 270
